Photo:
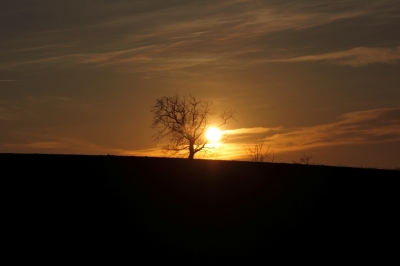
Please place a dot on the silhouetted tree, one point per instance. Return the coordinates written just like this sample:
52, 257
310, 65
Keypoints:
306, 159
260, 152
184, 121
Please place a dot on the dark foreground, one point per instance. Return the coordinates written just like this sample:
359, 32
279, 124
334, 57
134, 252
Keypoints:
175, 208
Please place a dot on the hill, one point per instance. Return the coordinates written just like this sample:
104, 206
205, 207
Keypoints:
200, 208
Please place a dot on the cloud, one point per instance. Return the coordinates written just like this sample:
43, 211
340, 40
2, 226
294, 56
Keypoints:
359, 56
36, 145
154, 36
44, 111
364, 127
42, 143
355, 128
246, 133
154, 152
7, 114
59, 102
211, 36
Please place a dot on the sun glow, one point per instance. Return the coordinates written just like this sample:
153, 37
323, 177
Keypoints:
213, 134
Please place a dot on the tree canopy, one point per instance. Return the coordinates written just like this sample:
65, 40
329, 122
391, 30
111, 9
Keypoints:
184, 121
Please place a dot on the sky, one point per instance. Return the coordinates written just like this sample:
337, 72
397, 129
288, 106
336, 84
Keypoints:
312, 77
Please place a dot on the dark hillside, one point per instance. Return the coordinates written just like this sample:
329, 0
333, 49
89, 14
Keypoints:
200, 208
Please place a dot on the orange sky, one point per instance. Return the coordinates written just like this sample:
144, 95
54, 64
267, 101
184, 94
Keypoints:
313, 77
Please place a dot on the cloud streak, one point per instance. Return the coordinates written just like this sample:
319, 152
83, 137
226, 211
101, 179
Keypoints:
6, 114
29, 106
58, 145
359, 56
155, 37
364, 127
355, 128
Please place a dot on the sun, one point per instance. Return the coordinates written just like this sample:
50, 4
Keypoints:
213, 134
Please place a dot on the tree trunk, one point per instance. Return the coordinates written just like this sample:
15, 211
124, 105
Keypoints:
191, 150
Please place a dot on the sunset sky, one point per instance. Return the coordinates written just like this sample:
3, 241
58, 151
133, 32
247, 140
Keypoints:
313, 77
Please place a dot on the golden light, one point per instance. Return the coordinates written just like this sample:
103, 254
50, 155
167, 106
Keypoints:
213, 134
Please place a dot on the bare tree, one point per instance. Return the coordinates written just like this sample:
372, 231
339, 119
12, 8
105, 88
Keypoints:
184, 121
306, 159
260, 152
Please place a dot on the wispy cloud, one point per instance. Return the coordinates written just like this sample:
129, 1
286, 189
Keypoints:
154, 36
243, 134
60, 102
154, 152
364, 127
57, 145
34, 146
356, 128
45, 106
45, 143
7, 114
360, 56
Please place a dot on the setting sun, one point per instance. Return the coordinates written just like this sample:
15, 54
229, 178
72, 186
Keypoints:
213, 134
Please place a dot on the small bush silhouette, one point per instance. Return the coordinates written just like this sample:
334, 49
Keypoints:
260, 152
306, 159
